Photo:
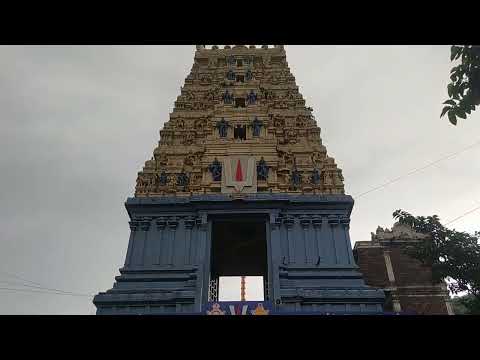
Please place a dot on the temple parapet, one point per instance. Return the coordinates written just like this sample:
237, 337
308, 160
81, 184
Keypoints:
399, 232
230, 47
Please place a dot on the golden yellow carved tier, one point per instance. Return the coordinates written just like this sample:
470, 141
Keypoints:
240, 85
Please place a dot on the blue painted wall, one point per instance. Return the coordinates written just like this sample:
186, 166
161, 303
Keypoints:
311, 266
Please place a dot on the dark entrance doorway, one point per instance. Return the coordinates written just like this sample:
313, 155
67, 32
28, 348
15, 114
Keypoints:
239, 248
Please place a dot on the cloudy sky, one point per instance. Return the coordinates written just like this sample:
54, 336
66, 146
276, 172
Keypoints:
78, 122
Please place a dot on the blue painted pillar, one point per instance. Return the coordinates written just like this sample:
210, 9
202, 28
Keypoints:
345, 223
146, 251
326, 243
332, 223
289, 222
306, 243
145, 227
203, 253
159, 248
133, 230
172, 225
189, 224
320, 253
276, 258
138, 246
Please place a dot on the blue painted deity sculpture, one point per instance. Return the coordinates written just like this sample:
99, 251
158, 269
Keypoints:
163, 179
256, 126
222, 126
251, 98
183, 179
227, 98
262, 169
216, 169
316, 177
296, 177
230, 75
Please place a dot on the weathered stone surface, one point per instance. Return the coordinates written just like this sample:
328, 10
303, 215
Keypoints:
385, 264
399, 231
259, 89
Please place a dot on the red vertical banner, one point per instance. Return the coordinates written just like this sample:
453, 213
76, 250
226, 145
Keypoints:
239, 174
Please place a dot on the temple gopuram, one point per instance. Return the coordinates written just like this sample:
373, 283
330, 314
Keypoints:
240, 184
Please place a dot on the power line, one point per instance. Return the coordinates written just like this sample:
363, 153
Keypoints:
54, 291
41, 292
464, 214
20, 278
423, 168
418, 169
40, 286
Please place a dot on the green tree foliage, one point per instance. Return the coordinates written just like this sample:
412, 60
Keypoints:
466, 305
464, 88
452, 254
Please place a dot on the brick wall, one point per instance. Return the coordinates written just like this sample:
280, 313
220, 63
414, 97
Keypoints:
408, 271
432, 305
409, 287
372, 266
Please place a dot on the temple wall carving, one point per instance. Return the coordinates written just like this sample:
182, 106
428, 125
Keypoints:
240, 86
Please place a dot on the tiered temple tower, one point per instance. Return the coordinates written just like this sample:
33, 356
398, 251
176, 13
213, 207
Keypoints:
239, 163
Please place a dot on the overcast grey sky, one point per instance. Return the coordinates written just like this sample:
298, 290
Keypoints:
78, 123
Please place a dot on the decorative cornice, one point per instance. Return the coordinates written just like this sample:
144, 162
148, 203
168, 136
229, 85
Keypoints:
305, 221
161, 223
399, 232
289, 221
189, 222
317, 221
145, 223
333, 219
172, 223
258, 197
133, 225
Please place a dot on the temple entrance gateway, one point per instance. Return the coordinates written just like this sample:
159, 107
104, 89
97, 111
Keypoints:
240, 184
238, 248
